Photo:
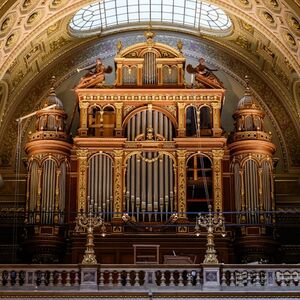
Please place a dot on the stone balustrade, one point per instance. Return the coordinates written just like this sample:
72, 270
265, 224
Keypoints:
219, 277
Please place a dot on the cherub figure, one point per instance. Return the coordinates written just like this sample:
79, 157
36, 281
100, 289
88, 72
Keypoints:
95, 75
204, 75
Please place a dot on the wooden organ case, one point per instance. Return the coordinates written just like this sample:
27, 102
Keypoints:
150, 154
150, 149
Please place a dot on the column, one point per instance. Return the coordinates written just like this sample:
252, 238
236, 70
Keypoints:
82, 163
181, 120
181, 183
217, 179
119, 119
216, 128
83, 130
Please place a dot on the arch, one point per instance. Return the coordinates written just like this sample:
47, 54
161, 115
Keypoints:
154, 107
199, 184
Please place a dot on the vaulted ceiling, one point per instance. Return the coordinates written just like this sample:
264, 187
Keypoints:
35, 43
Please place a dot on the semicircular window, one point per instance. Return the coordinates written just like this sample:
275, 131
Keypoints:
200, 16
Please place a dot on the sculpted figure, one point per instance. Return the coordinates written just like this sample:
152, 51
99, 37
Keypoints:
95, 76
204, 75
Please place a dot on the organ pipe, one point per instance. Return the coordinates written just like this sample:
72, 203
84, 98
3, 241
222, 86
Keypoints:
100, 181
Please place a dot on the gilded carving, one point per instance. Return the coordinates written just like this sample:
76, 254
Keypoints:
247, 27
269, 17
118, 177
82, 156
32, 18
217, 179
181, 182
243, 42
5, 24
294, 23
290, 39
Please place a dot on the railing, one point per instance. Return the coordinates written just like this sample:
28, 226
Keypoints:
150, 277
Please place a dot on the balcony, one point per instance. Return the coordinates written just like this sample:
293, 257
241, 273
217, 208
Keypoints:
150, 281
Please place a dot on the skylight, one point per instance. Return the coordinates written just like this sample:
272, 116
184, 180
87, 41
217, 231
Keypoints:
96, 18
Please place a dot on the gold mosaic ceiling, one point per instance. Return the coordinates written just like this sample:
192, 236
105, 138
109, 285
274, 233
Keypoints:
34, 34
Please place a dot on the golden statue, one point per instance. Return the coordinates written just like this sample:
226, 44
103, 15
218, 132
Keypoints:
95, 77
204, 75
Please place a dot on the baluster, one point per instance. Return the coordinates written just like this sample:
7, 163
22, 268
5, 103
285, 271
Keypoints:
249, 279
286, 277
238, 278
128, 281
257, 279
292, 283
110, 278
189, 279
180, 279
231, 280
198, 278
119, 279
171, 278
244, 278
136, 278
295, 275
17, 282
101, 279
8, 278
76, 279
51, 278
43, 279
59, 278
68, 278
223, 278
163, 278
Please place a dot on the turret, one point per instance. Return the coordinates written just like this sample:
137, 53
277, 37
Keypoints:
251, 150
48, 153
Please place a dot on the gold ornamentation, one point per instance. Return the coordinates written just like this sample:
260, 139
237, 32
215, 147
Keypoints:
181, 181
247, 27
5, 24
118, 177
89, 222
274, 3
32, 18
291, 39
269, 17
243, 42
211, 222
82, 178
10, 40
217, 178
27, 3
295, 24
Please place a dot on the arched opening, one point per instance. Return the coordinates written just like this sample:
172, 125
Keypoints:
199, 185
141, 122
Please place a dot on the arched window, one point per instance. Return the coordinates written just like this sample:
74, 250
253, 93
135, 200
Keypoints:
191, 121
141, 122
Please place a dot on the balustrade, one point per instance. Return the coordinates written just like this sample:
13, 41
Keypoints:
257, 277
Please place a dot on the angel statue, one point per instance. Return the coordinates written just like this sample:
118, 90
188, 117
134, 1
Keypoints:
204, 75
95, 76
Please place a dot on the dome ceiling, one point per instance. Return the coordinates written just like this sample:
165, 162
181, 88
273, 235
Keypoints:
265, 35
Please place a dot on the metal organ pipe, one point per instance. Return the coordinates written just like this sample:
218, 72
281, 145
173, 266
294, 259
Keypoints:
100, 184
149, 177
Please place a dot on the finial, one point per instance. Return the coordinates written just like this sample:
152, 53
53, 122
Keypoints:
52, 89
119, 45
180, 45
149, 34
247, 80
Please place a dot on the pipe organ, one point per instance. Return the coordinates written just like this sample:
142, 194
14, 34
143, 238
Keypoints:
149, 155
